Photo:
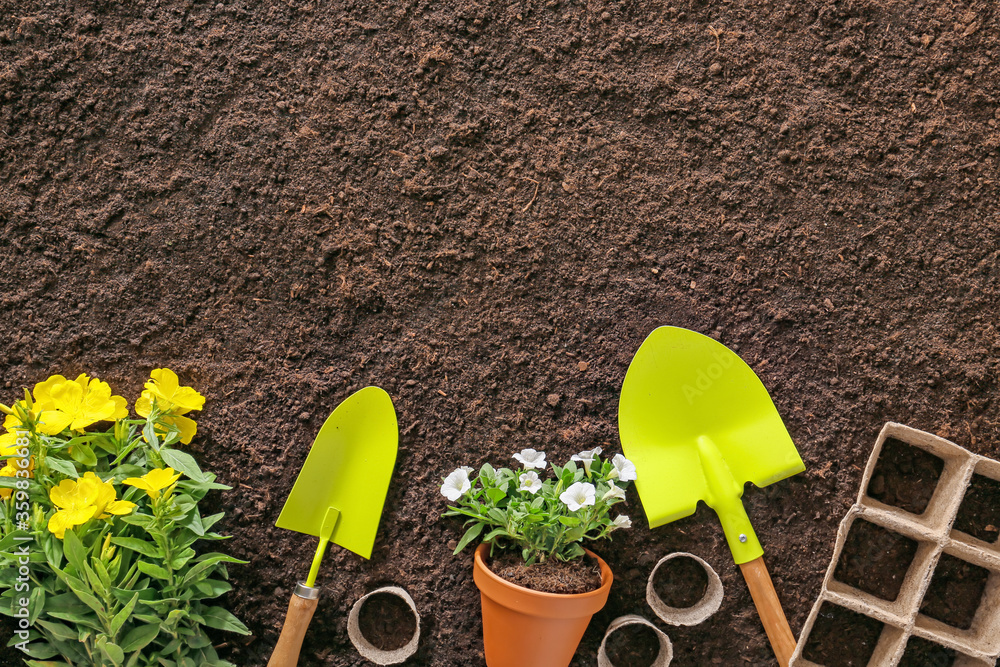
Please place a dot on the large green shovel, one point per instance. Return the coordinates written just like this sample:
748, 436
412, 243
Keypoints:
338, 497
699, 425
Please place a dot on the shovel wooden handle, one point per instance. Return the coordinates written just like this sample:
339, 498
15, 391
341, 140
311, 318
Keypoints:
300, 613
769, 609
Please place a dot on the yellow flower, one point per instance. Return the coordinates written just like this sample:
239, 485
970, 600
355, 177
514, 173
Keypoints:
107, 502
7, 471
75, 404
8, 443
8, 447
165, 389
154, 481
83, 499
76, 500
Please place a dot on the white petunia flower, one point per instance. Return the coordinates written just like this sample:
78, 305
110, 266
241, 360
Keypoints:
456, 484
586, 456
530, 482
614, 492
622, 521
625, 468
529, 458
579, 495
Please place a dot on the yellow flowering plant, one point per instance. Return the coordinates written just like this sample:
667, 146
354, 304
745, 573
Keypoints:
100, 561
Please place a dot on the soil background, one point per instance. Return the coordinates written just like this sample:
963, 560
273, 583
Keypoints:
484, 208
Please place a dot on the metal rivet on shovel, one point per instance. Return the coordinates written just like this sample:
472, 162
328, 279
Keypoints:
372, 652
699, 425
338, 497
696, 613
663, 658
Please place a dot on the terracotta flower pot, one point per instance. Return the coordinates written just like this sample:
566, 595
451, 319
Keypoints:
526, 628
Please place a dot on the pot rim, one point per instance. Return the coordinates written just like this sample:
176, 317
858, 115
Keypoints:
602, 591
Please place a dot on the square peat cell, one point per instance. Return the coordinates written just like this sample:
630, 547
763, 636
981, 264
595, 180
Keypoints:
904, 476
955, 592
842, 638
923, 653
875, 560
979, 514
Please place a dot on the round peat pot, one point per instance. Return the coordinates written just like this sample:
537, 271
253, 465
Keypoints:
693, 615
368, 650
526, 628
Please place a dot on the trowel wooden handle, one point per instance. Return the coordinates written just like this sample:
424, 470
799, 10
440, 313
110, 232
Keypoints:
300, 613
769, 609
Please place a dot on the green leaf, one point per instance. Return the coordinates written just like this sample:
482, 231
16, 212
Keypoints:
192, 521
144, 521
52, 547
184, 462
208, 521
495, 533
138, 545
212, 588
62, 466
58, 630
83, 454
471, 534
119, 620
487, 474
220, 619
149, 432
113, 651
203, 563
569, 521
140, 637
173, 618
13, 539
153, 570
42, 651
85, 596
74, 551
102, 573
36, 603
181, 558
496, 495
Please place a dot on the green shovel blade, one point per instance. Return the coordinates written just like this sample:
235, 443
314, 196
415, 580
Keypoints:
699, 425
348, 471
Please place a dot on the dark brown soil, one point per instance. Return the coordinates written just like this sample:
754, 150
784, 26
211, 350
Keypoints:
905, 476
386, 621
552, 576
633, 646
920, 652
842, 638
875, 560
479, 206
680, 582
955, 592
979, 513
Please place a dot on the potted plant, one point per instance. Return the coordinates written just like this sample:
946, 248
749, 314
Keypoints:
543, 522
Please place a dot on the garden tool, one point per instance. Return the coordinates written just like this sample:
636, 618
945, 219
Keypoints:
699, 425
338, 497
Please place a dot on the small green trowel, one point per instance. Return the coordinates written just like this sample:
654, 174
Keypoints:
699, 425
338, 497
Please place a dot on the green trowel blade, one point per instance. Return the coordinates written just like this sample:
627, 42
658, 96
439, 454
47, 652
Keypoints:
348, 470
689, 404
